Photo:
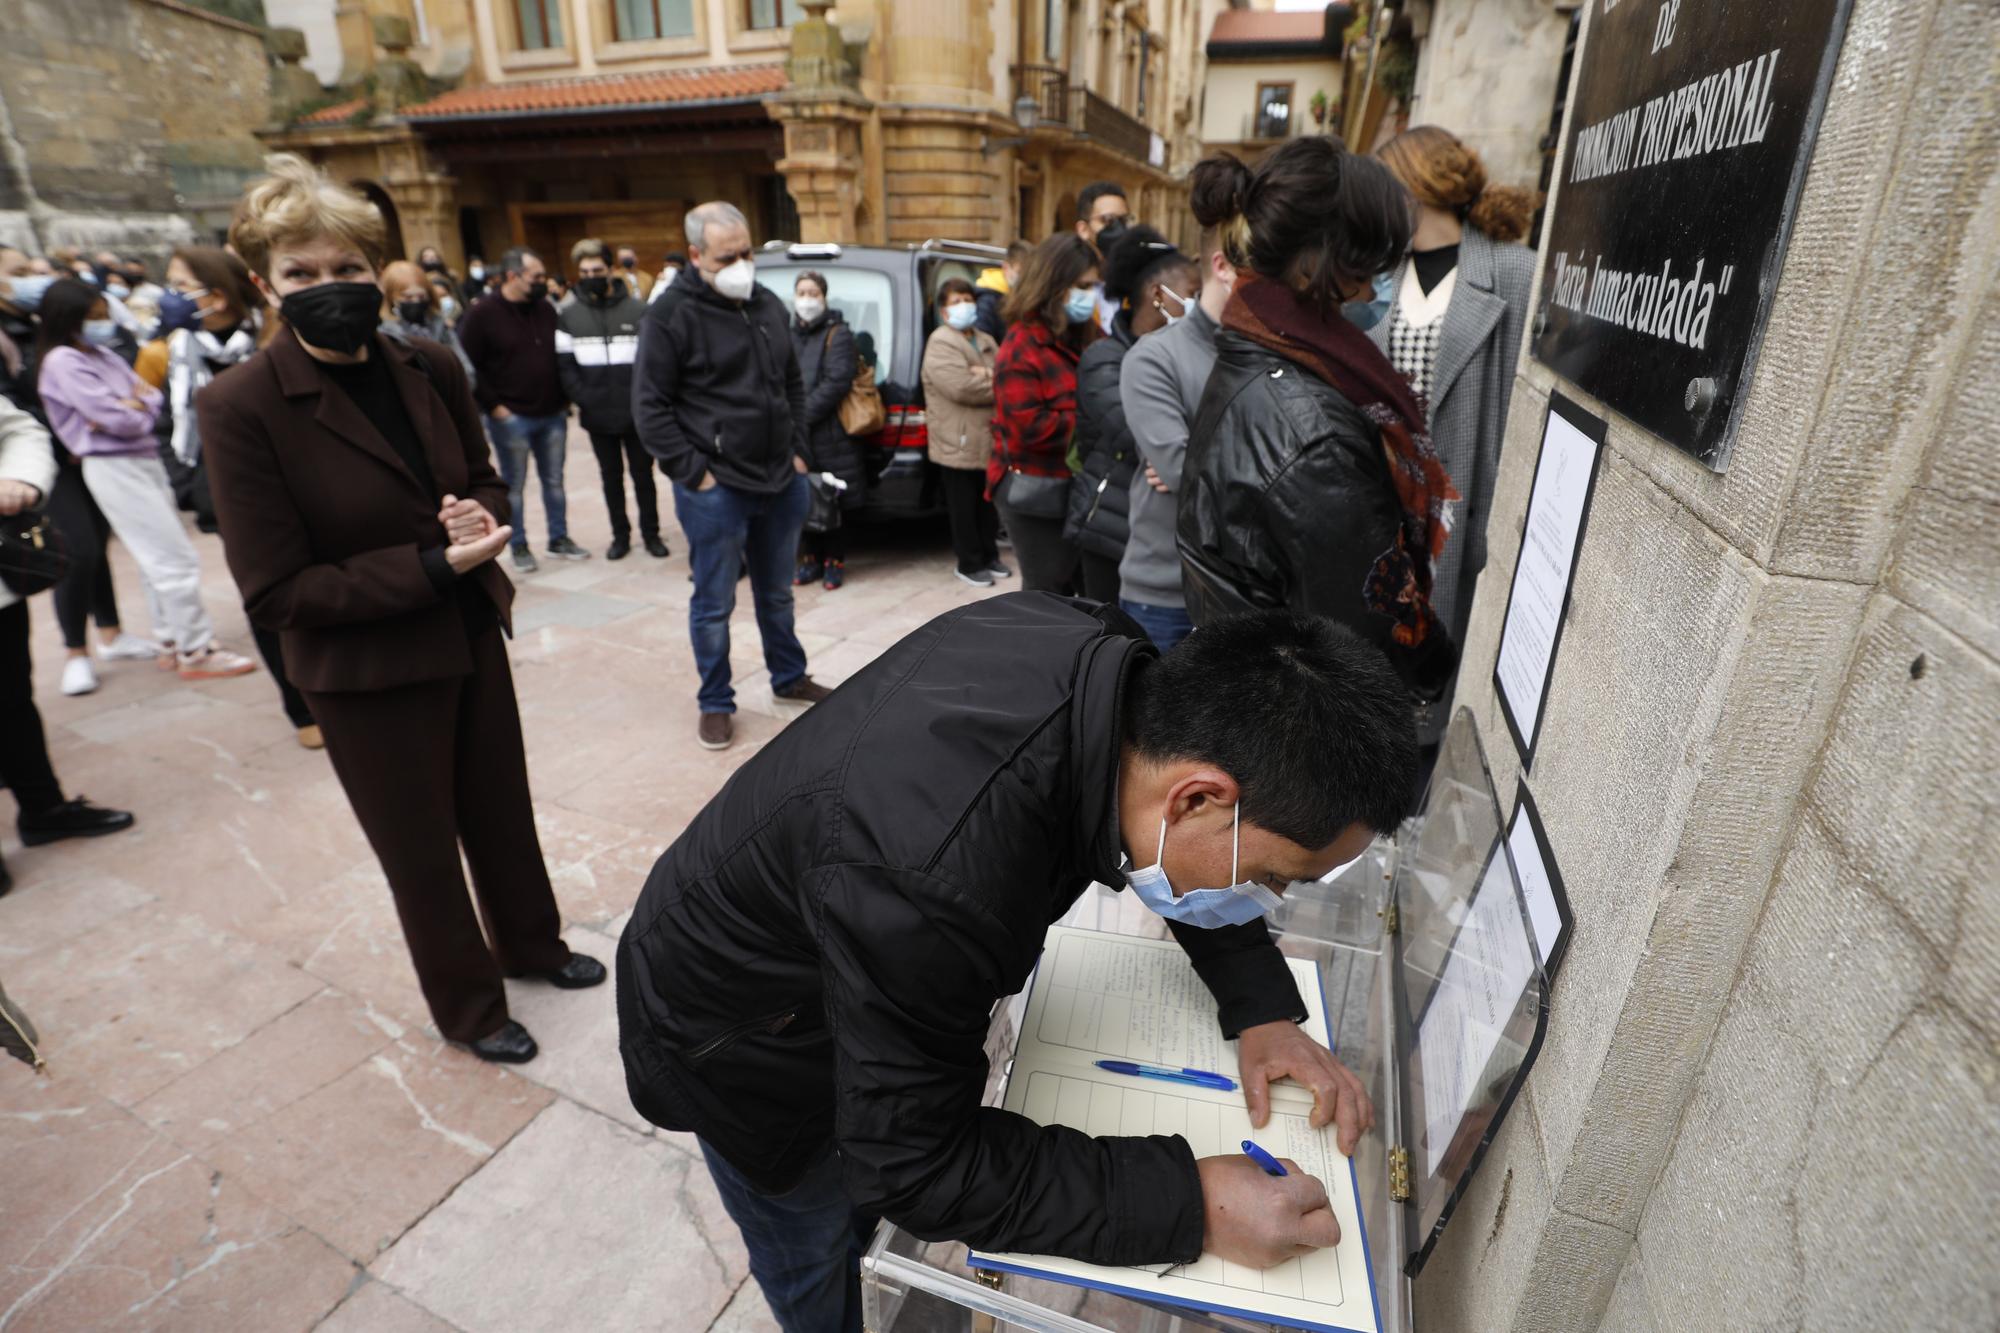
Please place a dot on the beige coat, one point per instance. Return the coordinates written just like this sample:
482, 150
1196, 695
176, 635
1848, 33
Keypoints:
958, 397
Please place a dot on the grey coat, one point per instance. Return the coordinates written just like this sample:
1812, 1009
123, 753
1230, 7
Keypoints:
1470, 386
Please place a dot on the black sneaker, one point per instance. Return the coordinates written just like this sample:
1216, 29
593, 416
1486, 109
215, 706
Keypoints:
657, 548
71, 819
524, 560
978, 578
620, 548
999, 571
565, 549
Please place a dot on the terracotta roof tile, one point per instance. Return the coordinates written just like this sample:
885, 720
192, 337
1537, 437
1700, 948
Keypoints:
1264, 25
573, 96
335, 114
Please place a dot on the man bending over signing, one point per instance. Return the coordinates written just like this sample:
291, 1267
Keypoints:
807, 979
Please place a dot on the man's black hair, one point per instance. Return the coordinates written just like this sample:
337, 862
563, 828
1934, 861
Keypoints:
1093, 192
1310, 719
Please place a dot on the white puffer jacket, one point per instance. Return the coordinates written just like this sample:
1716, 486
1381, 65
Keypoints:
25, 455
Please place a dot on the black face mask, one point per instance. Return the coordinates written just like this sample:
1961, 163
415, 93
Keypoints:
433, 266
413, 312
595, 288
538, 291
334, 316
628, 263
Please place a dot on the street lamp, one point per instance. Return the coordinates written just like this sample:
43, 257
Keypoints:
1027, 114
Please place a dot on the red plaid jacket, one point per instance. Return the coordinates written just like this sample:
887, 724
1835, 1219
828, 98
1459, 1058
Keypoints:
1034, 404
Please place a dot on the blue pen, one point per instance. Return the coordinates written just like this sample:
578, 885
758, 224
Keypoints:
1200, 1078
1272, 1166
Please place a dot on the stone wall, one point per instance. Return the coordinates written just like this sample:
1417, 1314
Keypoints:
133, 117
1768, 770
1487, 73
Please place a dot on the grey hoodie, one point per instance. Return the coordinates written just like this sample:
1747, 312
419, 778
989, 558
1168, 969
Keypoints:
1165, 373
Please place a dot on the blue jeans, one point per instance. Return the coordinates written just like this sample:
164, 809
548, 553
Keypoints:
805, 1246
727, 528
1164, 625
546, 437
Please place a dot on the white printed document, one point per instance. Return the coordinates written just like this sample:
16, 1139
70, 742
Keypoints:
1113, 997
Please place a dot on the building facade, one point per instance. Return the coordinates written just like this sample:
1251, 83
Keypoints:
125, 124
1272, 76
479, 124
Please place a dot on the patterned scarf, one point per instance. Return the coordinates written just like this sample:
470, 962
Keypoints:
1399, 583
191, 356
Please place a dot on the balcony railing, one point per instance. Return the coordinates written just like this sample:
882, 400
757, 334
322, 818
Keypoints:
1083, 112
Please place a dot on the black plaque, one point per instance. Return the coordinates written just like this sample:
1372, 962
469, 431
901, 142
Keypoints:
1689, 135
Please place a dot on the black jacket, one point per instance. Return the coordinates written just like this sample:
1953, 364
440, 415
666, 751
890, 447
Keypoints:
989, 320
1286, 501
827, 363
512, 347
718, 388
1100, 496
596, 346
812, 964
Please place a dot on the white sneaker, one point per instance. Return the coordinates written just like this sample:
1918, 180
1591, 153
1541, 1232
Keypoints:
129, 648
79, 676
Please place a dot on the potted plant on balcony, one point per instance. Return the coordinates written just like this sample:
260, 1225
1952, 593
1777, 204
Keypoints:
1319, 109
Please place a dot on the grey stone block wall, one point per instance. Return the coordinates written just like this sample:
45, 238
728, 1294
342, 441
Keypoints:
1770, 770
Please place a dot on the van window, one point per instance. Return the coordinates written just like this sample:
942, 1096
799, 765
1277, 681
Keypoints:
864, 298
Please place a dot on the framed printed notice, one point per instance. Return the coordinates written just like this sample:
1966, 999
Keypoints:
1538, 601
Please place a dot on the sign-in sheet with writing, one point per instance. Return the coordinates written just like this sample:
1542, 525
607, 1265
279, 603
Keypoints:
1099, 996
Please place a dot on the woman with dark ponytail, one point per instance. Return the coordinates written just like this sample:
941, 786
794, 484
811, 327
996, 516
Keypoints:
1310, 480
1457, 308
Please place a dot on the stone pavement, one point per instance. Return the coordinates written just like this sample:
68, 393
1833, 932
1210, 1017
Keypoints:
251, 1122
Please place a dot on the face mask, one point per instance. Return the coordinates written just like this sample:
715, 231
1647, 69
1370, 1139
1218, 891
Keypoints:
119, 290
29, 289
1205, 908
810, 308
595, 288
334, 316
1367, 314
449, 307
1183, 302
414, 312
1081, 305
628, 263
100, 332
433, 266
961, 316
736, 281
538, 290
476, 272
178, 310
91, 278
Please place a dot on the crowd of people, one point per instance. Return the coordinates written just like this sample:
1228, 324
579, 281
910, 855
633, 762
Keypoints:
1287, 437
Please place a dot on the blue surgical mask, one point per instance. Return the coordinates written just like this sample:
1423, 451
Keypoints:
961, 316
1367, 314
100, 332
1208, 909
1081, 305
28, 290
178, 310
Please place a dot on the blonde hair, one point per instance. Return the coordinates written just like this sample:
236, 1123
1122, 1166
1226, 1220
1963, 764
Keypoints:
400, 274
298, 202
1439, 170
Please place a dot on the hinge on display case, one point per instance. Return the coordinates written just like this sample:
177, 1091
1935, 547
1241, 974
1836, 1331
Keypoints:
1399, 1174
989, 1278
1389, 918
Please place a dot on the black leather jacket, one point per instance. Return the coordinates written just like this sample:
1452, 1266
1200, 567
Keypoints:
813, 964
1286, 501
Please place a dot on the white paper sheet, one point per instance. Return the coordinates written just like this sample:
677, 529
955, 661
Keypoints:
1099, 996
1542, 574
1540, 894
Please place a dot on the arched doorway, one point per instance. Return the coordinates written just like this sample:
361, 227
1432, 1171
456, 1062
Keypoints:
379, 197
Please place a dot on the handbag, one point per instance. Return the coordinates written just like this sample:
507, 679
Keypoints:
1036, 497
861, 412
32, 555
824, 513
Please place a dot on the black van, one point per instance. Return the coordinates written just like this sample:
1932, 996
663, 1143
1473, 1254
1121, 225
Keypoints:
888, 297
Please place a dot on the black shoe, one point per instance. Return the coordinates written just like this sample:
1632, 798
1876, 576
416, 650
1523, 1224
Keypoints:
564, 549
511, 1045
620, 548
6, 878
71, 819
656, 548
579, 973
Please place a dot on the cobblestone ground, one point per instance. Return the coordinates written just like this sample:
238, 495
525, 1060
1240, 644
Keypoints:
251, 1122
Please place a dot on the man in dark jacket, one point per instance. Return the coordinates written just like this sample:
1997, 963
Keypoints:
511, 340
597, 342
807, 978
719, 402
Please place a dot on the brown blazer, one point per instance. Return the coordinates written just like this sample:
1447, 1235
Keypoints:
323, 524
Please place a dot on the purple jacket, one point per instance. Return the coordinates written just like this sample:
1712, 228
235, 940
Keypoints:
82, 392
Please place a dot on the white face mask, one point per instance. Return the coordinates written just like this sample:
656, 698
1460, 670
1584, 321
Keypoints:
736, 281
810, 308
1183, 302
476, 272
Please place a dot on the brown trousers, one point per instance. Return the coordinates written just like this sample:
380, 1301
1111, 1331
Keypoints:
429, 766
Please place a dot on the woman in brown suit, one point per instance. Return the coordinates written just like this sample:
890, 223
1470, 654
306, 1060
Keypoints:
360, 517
